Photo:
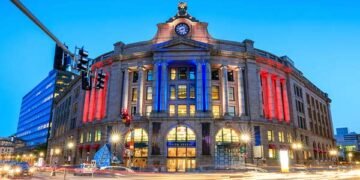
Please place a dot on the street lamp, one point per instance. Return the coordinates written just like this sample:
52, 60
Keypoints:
70, 146
114, 139
245, 138
297, 146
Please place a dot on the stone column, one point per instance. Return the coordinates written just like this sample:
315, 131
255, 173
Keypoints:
224, 90
155, 87
139, 103
280, 110
285, 101
126, 89
270, 96
164, 87
199, 87
241, 95
208, 88
260, 90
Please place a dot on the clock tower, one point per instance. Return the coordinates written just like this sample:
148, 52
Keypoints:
182, 25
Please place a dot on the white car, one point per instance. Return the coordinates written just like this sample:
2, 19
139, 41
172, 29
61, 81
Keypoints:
115, 170
84, 169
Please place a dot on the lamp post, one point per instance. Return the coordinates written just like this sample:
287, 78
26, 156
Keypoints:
297, 146
333, 153
245, 138
70, 146
115, 138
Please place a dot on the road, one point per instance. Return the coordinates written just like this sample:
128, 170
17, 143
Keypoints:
328, 175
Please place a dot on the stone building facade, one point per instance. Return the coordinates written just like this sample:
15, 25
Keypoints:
193, 99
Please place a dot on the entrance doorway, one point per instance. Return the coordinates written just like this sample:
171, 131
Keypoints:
181, 149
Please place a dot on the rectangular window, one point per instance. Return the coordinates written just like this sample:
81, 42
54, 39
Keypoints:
192, 73
289, 138
135, 76
216, 111
230, 76
214, 74
148, 110
182, 110
272, 153
81, 138
133, 110
231, 94
134, 95
192, 110
89, 137
182, 91
172, 93
281, 136
192, 92
172, 73
97, 135
215, 93
149, 76
172, 110
149, 93
182, 73
232, 110
270, 134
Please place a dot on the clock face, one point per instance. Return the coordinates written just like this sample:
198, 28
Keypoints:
182, 29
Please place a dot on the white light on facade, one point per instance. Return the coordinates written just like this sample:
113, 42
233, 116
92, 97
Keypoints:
284, 161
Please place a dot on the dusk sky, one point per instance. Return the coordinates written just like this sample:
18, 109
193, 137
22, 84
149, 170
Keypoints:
321, 37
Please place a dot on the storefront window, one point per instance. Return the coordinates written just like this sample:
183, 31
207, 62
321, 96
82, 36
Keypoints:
181, 142
137, 140
272, 153
227, 135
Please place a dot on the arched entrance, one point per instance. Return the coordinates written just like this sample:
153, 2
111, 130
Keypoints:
136, 148
228, 149
181, 149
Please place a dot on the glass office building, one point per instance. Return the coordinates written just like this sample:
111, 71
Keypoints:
35, 113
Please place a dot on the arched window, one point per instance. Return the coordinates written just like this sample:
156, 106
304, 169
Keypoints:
227, 135
181, 142
137, 140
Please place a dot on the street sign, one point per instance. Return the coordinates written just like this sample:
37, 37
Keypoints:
258, 152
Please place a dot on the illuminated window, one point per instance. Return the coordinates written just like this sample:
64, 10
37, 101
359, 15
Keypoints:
215, 92
289, 138
97, 135
281, 136
172, 110
231, 94
133, 110
192, 73
182, 73
172, 93
137, 140
270, 135
89, 137
272, 153
214, 74
148, 110
182, 91
230, 76
227, 135
134, 95
135, 76
82, 138
192, 110
232, 110
182, 110
192, 92
149, 93
181, 142
216, 111
291, 154
172, 73
149, 75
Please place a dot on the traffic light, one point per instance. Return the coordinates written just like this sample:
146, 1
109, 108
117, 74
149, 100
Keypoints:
126, 118
86, 81
83, 60
100, 80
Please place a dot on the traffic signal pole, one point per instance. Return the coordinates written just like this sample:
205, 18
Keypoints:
19, 5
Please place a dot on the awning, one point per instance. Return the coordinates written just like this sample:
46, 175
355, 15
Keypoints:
272, 146
95, 146
87, 147
81, 147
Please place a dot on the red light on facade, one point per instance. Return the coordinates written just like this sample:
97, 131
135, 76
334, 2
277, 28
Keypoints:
86, 106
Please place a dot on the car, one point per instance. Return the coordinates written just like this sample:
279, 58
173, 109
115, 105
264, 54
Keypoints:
84, 169
20, 169
114, 170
